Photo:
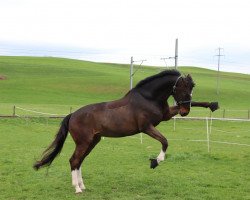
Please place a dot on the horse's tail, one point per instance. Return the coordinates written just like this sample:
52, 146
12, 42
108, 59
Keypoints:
55, 148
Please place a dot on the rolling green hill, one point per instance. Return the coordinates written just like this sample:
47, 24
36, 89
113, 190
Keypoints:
56, 84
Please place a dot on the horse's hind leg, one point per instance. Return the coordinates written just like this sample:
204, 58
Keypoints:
95, 141
81, 151
75, 161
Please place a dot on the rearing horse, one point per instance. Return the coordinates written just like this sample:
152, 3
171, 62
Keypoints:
140, 110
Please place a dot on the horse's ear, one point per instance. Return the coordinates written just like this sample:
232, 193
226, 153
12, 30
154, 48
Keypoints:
190, 79
187, 78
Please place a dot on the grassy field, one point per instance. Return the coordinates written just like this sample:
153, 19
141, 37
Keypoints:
119, 168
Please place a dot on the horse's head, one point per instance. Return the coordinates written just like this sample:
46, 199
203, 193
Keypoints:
182, 93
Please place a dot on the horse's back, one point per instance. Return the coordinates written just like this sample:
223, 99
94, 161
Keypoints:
112, 119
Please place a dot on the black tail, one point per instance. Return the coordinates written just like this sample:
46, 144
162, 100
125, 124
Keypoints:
55, 148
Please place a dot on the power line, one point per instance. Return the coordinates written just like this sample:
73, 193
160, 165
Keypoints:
175, 57
132, 72
164, 59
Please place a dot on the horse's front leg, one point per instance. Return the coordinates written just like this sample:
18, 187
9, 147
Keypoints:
154, 133
213, 105
174, 110
171, 112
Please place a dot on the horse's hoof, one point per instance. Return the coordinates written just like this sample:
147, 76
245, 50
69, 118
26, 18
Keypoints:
82, 187
78, 191
154, 163
214, 106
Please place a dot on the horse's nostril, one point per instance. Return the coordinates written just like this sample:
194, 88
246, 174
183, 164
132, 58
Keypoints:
184, 114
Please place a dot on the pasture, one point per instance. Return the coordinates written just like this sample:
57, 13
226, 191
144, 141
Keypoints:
118, 168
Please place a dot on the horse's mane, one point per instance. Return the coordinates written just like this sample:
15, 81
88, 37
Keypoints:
156, 76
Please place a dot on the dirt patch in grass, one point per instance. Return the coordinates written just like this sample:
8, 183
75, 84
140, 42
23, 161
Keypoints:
2, 77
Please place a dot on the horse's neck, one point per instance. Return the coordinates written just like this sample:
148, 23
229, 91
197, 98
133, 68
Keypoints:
159, 90
119, 102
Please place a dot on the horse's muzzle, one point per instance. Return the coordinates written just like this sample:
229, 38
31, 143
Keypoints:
184, 114
184, 111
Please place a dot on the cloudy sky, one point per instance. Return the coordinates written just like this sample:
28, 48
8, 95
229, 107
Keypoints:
115, 30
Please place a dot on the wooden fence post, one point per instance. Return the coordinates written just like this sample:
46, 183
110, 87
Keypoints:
14, 111
208, 138
224, 113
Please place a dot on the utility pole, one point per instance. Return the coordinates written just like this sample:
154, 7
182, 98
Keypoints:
218, 70
176, 53
175, 57
132, 72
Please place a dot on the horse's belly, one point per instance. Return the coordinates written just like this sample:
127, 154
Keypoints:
118, 124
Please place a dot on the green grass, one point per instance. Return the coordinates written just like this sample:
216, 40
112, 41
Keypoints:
119, 168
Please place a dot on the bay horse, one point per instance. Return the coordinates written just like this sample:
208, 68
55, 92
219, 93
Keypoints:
140, 110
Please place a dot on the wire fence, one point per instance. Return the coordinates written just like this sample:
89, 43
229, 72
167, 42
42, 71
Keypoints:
215, 130
222, 113
18, 111
224, 131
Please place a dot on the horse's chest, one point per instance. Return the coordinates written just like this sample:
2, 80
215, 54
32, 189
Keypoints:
156, 118
152, 115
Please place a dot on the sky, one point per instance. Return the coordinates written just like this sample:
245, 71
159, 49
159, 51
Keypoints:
113, 31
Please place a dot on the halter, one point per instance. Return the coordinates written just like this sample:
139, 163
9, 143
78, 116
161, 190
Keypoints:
174, 87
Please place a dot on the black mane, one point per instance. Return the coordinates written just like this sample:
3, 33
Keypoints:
159, 75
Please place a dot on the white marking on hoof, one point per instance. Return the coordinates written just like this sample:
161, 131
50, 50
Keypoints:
75, 181
78, 190
161, 156
80, 180
82, 186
